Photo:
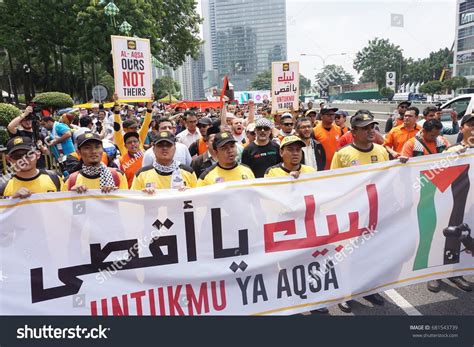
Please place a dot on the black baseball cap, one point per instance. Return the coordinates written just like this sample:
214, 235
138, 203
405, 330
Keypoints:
204, 121
166, 136
222, 139
408, 103
19, 142
328, 109
342, 113
467, 118
361, 120
87, 137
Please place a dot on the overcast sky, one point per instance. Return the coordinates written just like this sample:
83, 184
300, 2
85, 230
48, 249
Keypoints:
328, 27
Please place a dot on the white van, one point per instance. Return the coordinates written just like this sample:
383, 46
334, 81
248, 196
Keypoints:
463, 104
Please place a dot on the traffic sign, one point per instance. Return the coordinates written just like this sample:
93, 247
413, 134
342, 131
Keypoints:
390, 79
99, 93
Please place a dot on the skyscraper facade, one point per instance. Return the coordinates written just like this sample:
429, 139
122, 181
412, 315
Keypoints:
243, 37
464, 45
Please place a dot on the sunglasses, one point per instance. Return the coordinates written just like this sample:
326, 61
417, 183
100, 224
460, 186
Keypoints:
252, 133
288, 124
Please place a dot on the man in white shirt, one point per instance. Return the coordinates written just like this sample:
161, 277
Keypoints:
190, 134
182, 153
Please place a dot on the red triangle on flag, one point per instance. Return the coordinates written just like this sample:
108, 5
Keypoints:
442, 178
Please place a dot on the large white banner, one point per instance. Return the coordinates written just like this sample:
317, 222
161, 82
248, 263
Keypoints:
285, 86
261, 247
132, 68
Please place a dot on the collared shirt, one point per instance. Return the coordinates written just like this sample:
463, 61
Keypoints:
280, 171
310, 156
186, 138
398, 136
181, 155
328, 139
149, 177
351, 155
218, 174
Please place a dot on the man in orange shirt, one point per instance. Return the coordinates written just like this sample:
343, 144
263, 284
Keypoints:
398, 136
328, 133
429, 141
131, 161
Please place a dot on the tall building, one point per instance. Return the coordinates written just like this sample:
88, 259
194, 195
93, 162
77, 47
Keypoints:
243, 37
464, 44
190, 77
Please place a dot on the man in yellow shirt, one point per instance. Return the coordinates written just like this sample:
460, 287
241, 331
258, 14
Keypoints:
363, 150
165, 173
23, 178
226, 169
291, 154
94, 174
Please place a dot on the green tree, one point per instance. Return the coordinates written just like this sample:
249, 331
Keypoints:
67, 43
432, 87
429, 68
166, 85
262, 81
305, 84
378, 57
387, 92
333, 75
455, 83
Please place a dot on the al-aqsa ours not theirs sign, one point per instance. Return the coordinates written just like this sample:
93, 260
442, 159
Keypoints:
132, 68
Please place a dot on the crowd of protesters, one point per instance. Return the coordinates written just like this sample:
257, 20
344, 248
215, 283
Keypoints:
151, 147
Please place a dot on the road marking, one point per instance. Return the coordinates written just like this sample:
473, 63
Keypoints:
401, 302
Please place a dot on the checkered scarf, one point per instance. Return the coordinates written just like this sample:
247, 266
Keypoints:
418, 147
106, 178
177, 180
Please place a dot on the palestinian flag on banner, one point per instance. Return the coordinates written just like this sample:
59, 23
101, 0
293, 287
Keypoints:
443, 192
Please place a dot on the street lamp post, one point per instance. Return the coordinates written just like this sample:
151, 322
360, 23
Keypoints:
323, 59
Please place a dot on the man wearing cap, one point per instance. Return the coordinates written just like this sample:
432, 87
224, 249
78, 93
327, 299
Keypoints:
291, 154
427, 141
363, 150
399, 135
131, 161
94, 174
263, 153
182, 152
227, 168
347, 138
190, 134
313, 152
165, 173
199, 146
24, 178
313, 116
286, 126
328, 133
204, 161
250, 133
340, 120
396, 120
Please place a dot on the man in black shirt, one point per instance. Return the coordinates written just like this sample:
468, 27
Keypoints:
262, 153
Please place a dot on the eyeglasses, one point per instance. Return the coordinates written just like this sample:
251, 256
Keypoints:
305, 127
288, 124
132, 142
403, 106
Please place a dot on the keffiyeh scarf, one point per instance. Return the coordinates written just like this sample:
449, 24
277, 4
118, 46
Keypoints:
177, 180
106, 178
